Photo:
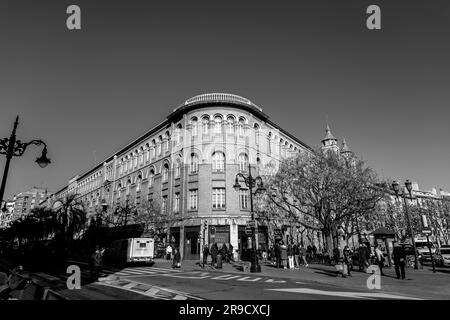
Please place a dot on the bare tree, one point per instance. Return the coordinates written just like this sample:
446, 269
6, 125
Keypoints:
322, 192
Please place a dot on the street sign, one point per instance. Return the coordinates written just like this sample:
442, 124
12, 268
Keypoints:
248, 230
426, 231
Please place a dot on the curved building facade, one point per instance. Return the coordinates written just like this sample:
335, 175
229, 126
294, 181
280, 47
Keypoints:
188, 163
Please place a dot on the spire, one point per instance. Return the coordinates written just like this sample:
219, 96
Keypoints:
328, 135
345, 147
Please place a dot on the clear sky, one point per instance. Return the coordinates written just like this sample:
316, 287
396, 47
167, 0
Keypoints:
87, 93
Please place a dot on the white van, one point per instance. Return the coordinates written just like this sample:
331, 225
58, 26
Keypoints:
131, 250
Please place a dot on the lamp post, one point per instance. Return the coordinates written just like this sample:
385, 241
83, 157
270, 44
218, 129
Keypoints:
251, 183
12, 147
396, 188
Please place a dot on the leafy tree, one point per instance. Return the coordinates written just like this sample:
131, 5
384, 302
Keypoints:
70, 215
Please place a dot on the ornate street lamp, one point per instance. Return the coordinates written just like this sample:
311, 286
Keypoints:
396, 188
251, 183
11, 147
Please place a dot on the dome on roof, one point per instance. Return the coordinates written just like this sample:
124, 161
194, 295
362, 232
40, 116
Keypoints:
219, 97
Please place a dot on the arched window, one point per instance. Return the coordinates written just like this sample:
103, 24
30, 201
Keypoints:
165, 172
120, 169
177, 169
151, 176
194, 163
242, 126
205, 124
138, 183
178, 134
218, 124
166, 142
230, 124
135, 158
125, 164
243, 162
256, 128
141, 155
218, 161
147, 152
194, 125
258, 163
159, 146
128, 187
153, 149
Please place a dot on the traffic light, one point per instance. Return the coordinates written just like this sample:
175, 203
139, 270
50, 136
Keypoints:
205, 225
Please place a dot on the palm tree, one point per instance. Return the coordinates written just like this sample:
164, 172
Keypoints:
46, 217
70, 215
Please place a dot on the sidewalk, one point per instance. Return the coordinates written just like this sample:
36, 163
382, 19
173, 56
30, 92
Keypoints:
420, 283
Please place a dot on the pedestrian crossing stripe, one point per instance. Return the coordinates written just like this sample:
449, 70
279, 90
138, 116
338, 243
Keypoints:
225, 277
343, 294
249, 279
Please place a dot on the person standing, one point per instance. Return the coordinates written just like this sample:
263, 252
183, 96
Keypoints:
205, 255
290, 254
348, 261
283, 249
399, 260
231, 253
176, 259
224, 252
362, 255
303, 256
278, 255
169, 252
380, 258
214, 252
296, 255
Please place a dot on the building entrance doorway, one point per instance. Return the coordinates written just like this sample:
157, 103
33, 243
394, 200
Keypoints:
191, 243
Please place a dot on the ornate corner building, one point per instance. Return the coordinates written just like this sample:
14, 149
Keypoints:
188, 163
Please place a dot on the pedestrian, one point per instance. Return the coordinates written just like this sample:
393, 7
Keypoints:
283, 249
169, 252
278, 255
314, 250
362, 257
399, 260
224, 252
341, 267
379, 258
176, 259
264, 252
231, 252
296, 255
214, 252
290, 254
97, 262
303, 255
348, 260
309, 251
205, 255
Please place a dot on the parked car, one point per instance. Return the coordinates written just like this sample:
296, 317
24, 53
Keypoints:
443, 257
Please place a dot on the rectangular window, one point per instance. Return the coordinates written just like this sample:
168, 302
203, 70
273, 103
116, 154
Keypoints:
176, 203
218, 198
244, 198
193, 199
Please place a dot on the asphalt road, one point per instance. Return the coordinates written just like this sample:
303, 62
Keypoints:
221, 286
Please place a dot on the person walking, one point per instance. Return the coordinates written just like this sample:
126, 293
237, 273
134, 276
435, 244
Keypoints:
169, 252
214, 252
303, 256
296, 255
224, 252
348, 261
379, 258
97, 261
399, 260
176, 263
278, 255
290, 254
231, 253
205, 255
362, 257
283, 249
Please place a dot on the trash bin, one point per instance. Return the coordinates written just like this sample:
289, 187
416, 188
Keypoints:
219, 261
